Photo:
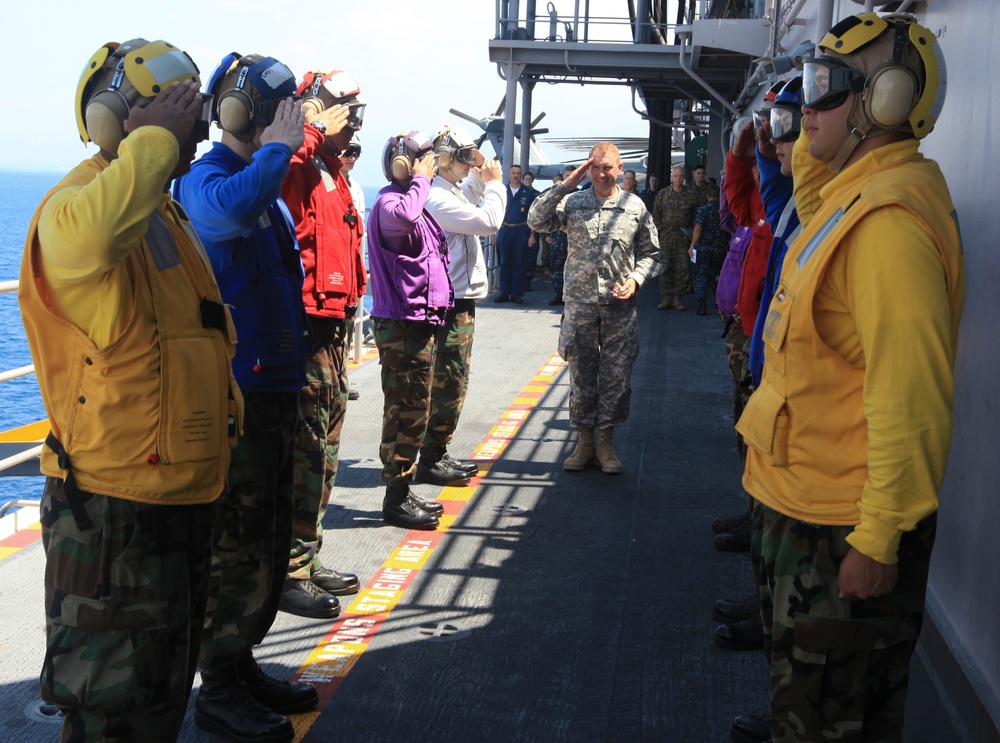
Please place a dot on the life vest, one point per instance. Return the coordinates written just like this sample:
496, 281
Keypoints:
805, 424
151, 416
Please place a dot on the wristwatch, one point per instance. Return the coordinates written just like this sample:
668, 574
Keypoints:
318, 126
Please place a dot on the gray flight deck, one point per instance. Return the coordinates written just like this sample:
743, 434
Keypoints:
558, 606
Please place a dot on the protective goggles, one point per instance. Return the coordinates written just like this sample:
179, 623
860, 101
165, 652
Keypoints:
466, 155
356, 116
826, 83
353, 150
265, 111
759, 117
204, 117
785, 123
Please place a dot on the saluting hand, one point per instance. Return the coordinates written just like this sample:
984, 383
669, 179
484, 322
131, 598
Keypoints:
764, 144
490, 171
287, 127
334, 118
575, 178
175, 109
744, 144
425, 166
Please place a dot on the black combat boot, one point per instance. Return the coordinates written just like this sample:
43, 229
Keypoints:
462, 465
440, 472
399, 508
304, 598
284, 697
224, 707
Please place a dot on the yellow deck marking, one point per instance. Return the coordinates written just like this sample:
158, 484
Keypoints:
330, 662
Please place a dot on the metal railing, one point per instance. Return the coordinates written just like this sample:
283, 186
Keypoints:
30, 453
587, 29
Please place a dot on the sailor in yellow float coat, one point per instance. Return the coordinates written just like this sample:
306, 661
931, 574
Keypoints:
97, 308
854, 426
850, 429
133, 348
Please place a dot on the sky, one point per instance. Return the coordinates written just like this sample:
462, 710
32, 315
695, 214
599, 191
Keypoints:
413, 61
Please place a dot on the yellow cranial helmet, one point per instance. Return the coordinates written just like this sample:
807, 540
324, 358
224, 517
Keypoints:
120, 76
902, 69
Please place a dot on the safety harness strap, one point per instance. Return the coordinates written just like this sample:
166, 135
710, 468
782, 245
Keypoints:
73, 494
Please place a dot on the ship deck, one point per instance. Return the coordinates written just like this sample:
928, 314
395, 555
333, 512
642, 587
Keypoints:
550, 606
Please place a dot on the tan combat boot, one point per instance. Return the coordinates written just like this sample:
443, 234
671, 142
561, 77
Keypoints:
606, 456
677, 304
584, 451
664, 304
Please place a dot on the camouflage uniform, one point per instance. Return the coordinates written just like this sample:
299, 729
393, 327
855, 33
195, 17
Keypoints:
815, 639
557, 259
674, 212
452, 363
253, 528
322, 404
144, 634
738, 355
711, 247
608, 243
601, 343
700, 193
406, 355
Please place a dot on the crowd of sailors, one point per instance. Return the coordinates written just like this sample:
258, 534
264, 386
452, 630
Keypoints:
188, 475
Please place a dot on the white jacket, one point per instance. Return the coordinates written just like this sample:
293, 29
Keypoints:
465, 212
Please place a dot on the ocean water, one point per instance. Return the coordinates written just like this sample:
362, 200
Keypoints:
20, 402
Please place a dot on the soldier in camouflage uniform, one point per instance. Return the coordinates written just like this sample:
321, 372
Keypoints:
673, 214
465, 212
127, 539
699, 185
612, 249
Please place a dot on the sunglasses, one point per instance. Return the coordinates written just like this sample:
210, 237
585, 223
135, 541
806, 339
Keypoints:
353, 151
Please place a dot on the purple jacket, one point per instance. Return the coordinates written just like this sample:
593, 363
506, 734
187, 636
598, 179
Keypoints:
408, 256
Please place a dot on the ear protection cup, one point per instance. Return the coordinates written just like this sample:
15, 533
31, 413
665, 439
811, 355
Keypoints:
402, 162
313, 106
235, 113
890, 95
105, 116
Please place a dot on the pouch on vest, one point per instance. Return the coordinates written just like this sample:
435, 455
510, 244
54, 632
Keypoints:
775, 329
764, 424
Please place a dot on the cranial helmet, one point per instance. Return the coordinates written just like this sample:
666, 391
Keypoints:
322, 88
456, 142
247, 92
401, 151
120, 76
786, 114
893, 65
